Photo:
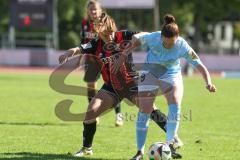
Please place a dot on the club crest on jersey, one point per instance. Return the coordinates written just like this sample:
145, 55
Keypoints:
193, 55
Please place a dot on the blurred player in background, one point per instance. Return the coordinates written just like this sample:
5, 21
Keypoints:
166, 47
94, 11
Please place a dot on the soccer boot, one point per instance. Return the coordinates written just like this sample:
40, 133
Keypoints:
174, 153
177, 143
98, 120
138, 156
83, 151
119, 120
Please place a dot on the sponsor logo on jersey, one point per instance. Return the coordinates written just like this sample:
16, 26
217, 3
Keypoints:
86, 46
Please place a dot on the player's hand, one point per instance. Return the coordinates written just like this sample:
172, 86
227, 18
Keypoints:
117, 64
62, 59
211, 88
74, 51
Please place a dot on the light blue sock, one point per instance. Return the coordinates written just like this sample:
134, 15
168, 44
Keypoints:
141, 130
173, 120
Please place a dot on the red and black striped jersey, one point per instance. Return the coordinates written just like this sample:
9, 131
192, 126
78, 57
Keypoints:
107, 53
87, 31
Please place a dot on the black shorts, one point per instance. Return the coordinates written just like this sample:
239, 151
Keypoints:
92, 69
118, 95
109, 89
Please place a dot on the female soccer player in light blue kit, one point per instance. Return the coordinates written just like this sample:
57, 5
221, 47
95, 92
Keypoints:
166, 48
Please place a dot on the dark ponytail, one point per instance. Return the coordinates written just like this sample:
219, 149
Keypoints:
169, 19
170, 28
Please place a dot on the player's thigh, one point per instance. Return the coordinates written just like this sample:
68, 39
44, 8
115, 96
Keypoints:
145, 102
99, 104
92, 69
175, 95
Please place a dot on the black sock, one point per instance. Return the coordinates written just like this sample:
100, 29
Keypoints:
88, 134
117, 108
91, 94
159, 118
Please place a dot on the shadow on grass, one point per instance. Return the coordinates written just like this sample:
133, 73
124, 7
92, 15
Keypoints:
32, 124
43, 156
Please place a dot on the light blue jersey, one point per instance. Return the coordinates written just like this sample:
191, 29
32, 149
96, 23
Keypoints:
169, 58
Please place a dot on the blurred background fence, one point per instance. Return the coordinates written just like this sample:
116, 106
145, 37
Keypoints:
35, 32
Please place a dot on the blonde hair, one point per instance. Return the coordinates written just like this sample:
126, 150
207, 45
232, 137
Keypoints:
90, 2
105, 24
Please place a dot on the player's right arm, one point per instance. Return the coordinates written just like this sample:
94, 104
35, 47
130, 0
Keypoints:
70, 53
88, 48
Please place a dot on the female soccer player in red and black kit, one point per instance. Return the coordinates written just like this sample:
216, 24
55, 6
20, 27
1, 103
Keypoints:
94, 10
112, 91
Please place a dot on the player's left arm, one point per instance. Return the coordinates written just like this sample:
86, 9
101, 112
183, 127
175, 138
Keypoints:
207, 78
195, 61
133, 44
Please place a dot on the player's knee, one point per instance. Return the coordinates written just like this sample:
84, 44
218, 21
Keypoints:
92, 85
89, 121
174, 99
147, 109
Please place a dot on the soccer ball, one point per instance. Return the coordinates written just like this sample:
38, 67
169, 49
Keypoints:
159, 151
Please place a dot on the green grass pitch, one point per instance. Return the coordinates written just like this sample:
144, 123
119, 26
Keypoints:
30, 130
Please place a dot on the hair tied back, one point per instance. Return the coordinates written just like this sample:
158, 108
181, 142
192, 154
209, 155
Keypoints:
168, 19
